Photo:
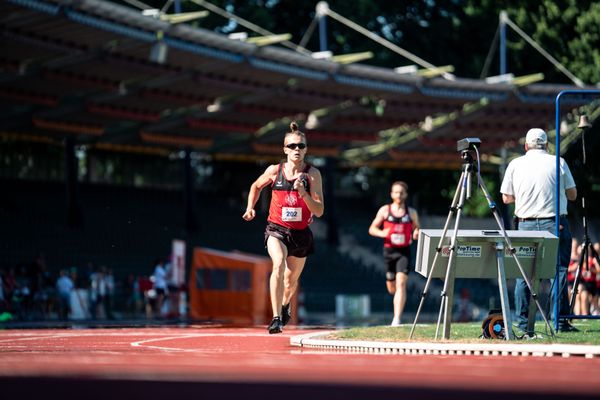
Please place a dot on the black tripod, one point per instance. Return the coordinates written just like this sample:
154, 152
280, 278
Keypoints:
463, 192
587, 247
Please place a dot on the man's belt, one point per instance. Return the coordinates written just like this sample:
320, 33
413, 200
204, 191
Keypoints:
539, 219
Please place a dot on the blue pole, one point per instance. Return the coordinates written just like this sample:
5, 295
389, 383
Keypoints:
323, 33
177, 6
503, 17
556, 310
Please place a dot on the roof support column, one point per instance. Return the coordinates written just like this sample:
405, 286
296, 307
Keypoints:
191, 222
503, 18
322, 9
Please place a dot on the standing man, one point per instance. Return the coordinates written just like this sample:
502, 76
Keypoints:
296, 195
530, 183
400, 227
64, 287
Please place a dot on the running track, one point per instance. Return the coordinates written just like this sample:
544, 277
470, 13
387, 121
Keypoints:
208, 362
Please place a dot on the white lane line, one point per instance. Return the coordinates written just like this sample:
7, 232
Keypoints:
144, 343
37, 337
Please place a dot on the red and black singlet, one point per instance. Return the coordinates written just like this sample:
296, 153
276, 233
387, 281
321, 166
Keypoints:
287, 207
401, 228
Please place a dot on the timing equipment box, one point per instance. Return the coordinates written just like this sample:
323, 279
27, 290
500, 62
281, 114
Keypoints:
476, 255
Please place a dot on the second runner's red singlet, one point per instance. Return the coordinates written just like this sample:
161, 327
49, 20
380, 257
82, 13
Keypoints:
400, 229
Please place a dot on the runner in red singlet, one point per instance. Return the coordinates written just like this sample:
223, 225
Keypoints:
296, 196
398, 225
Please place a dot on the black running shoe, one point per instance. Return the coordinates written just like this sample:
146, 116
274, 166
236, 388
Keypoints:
286, 314
567, 327
275, 326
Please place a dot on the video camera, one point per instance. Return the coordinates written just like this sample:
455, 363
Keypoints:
467, 144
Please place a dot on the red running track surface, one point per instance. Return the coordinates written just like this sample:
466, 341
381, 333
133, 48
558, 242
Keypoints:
246, 363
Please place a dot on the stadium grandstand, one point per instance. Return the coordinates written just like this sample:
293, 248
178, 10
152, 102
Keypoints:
121, 131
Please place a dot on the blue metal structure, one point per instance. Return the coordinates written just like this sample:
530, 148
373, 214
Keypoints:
557, 207
323, 33
502, 42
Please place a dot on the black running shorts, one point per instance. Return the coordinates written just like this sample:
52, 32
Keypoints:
397, 259
299, 243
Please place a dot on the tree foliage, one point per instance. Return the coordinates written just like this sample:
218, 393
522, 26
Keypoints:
443, 32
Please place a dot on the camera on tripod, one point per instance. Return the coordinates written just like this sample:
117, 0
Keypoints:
467, 144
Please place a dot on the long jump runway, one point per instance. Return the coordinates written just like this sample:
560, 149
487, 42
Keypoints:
210, 362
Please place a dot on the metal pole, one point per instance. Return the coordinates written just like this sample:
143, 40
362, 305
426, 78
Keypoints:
503, 18
322, 9
557, 193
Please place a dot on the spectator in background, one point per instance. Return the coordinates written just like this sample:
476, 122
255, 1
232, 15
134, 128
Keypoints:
146, 288
587, 286
22, 296
110, 292
172, 289
64, 287
41, 285
99, 294
81, 307
159, 281
133, 295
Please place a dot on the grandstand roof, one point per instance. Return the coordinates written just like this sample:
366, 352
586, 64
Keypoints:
84, 68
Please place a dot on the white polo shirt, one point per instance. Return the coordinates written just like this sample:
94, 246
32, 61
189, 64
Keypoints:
531, 179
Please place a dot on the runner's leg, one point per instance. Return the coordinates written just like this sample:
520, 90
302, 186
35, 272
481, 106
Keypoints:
295, 266
400, 295
278, 253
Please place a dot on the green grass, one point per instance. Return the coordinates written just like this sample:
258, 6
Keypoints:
589, 333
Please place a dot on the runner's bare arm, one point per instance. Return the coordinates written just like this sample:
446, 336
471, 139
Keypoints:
265, 179
416, 224
374, 228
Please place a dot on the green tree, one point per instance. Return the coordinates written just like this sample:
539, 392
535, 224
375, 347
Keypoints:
455, 32
569, 30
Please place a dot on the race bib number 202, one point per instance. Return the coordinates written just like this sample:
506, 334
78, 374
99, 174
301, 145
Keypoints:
291, 214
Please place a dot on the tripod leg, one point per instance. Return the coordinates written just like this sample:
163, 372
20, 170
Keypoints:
492, 206
451, 214
575, 290
448, 290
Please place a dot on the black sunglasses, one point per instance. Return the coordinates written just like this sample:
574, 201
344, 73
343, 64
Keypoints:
292, 146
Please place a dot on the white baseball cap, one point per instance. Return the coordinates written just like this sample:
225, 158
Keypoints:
536, 136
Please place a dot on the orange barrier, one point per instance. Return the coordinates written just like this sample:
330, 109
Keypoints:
231, 286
